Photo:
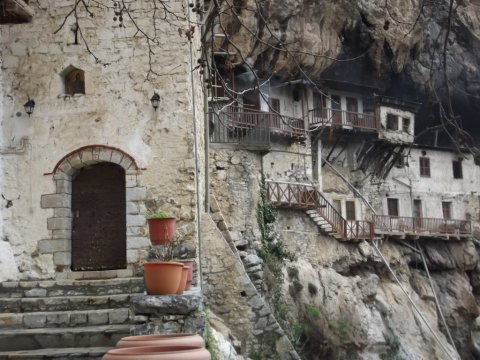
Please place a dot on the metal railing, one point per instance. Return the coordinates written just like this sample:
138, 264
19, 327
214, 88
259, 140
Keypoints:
241, 118
410, 225
342, 118
297, 195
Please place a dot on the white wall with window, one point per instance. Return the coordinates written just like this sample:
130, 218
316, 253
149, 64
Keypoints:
396, 125
435, 183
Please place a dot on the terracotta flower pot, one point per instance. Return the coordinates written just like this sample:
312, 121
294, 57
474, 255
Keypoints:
162, 340
183, 280
190, 264
158, 353
161, 231
162, 278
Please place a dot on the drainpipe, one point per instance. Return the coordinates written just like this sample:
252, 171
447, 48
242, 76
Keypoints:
197, 185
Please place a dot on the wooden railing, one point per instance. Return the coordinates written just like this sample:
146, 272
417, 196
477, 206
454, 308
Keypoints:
234, 116
410, 225
342, 118
296, 195
226, 129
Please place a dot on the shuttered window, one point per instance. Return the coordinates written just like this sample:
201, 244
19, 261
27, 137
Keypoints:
425, 166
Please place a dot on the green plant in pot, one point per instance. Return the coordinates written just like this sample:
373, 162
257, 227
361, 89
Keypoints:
161, 227
162, 275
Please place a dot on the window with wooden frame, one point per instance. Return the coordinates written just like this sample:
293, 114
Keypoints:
350, 209
392, 122
392, 205
457, 169
447, 210
424, 166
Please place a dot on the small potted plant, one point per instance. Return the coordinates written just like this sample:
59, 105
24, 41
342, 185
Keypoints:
162, 275
161, 227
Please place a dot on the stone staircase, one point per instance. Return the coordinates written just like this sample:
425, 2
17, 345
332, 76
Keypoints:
65, 319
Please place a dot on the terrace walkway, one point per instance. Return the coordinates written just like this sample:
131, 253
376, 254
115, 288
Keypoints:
323, 213
421, 227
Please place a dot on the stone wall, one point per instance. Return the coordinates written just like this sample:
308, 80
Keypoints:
114, 111
231, 295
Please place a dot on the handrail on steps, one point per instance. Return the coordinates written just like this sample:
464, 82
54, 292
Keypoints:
305, 195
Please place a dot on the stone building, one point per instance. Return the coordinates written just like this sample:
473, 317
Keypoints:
93, 127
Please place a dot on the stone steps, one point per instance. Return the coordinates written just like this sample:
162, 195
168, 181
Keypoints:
64, 303
78, 353
46, 338
34, 289
65, 319
36, 320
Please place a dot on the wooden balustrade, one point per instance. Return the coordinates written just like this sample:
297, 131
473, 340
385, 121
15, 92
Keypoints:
237, 117
342, 118
410, 225
305, 196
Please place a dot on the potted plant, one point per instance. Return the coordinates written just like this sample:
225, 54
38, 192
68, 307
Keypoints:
162, 275
161, 227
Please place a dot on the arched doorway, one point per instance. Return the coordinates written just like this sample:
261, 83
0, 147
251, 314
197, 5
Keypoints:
99, 218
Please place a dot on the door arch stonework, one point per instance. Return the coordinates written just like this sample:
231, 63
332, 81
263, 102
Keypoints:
60, 224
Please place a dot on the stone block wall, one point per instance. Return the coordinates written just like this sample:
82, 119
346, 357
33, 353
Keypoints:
115, 111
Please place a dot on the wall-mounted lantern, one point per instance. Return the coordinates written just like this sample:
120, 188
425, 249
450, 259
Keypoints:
155, 100
29, 106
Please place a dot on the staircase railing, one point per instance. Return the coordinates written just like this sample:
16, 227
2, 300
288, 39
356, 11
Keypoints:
297, 195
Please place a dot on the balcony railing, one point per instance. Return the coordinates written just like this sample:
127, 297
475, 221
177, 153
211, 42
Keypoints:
237, 117
225, 129
421, 226
342, 118
303, 196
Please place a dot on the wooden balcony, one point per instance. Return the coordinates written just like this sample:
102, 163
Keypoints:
342, 119
425, 227
305, 196
240, 121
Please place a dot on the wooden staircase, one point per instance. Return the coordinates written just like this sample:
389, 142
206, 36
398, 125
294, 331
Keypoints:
319, 209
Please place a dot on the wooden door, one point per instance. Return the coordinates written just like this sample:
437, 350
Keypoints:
99, 218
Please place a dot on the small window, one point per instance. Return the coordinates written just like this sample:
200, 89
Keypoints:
392, 122
350, 207
447, 210
275, 105
424, 166
406, 125
392, 205
457, 169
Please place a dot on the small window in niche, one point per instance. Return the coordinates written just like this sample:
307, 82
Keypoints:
74, 81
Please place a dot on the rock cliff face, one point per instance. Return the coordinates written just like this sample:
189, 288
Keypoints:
396, 45
339, 300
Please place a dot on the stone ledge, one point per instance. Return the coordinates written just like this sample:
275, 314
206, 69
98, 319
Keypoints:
159, 305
